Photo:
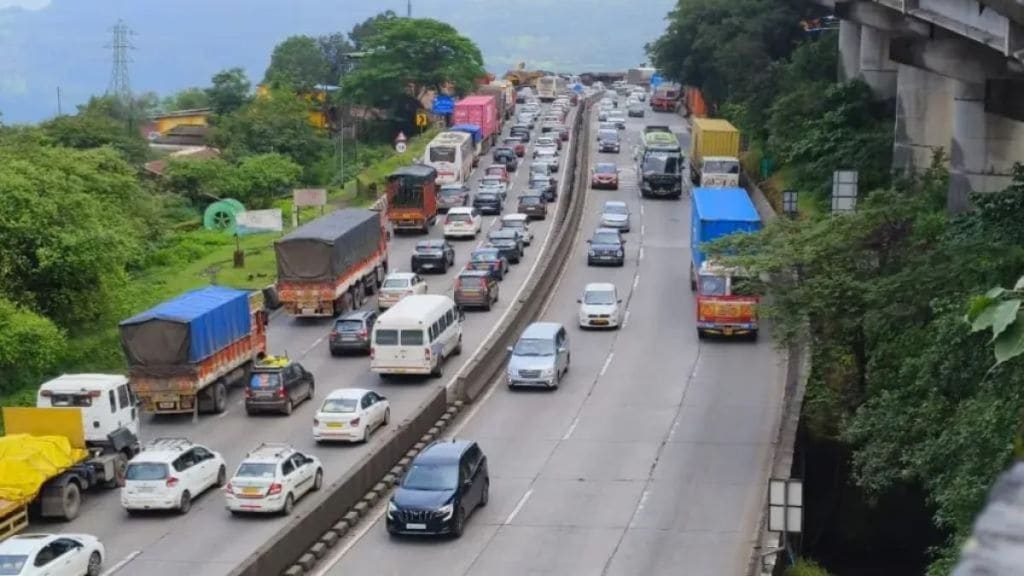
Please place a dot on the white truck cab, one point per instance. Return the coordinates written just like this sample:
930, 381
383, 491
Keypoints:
720, 172
105, 400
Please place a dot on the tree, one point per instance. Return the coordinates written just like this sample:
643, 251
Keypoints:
229, 91
99, 123
336, 49
265, 177
368, 28
30, 347
187, 99
298, 63
202, 179
408, 57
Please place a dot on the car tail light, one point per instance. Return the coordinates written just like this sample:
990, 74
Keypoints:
354, 422
248, 392
280, 392
334, 333
362, 333
458, 284
275, 488
426, 353
171, 482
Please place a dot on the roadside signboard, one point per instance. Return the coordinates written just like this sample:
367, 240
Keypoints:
257, 221
309, 197
443, 104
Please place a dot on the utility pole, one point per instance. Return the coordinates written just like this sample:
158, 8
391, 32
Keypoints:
408, 8
120, 84
60, 111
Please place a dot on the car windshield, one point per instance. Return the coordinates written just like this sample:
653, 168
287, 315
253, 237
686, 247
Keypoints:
449, 191
513, 223
615, 209
339, 405
470, 281
495, 171
396, 283
599, 297
534, 347
605, 169
432, 477
605, 238
386, 337
256, 470
349, 325
513, 141
545, 152
491, 181
457, 218
265, 380
712, 286
529, 200
608, 135
484, 255
721, 167
431, 246
142, 471
486, 195
12, 565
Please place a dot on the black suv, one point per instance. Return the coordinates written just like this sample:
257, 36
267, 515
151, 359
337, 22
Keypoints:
543, 186
606, 247
277, 385
488, 202
434, 255
351, 332
445, 483
508, 242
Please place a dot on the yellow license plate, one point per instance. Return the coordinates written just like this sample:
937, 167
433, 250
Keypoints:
600, 322
250, 490
334, 425
728, 331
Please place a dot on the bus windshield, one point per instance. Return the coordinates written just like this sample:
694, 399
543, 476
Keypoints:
661, 163
442, 154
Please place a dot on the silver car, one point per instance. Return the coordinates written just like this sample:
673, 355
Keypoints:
615, 214
549, 156
540, 357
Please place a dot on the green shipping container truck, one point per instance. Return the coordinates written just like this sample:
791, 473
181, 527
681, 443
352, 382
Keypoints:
714, 153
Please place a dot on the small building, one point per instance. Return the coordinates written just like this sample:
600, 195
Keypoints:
164, 123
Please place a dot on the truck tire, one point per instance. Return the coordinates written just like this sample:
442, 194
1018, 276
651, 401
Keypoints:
120, 466
219, 392
71, 501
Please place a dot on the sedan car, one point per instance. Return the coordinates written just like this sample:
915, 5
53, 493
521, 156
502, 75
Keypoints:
475, 289
52, 555
398, 285
517, 144
618, 119
489, 260
599, 306
606, 247
271, 478
521, 223
549, 156
605, 175
350, 414
452, 196
615, 214
533, 206
506, 158
549, 141
545, 186
351, 332
521, 132
609, 141
636, 110
508, 242
434, 255
488, 202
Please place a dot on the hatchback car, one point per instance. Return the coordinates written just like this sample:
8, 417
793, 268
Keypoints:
599, 306
169, 474
517, 144
271, 478
350, 414
494, 183
618, 119
605, 175
548, 156
521, 223
498, 171
277, 385
533, 206
609, 141
606, 247
526, 118
475, 289
615, 214
636, 110
452, 196
444, 484
351, 332
489, 260
488, 202
398, 285
540, 356
433, 255
506, 158
549, 141
52, 555
508, 242
462, 222
521, 132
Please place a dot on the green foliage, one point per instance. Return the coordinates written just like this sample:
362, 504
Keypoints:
805, 567
265, 177
228, 91
187, 99
255, 181
335, 48
101, 122
363, 31
30, 345
297, 63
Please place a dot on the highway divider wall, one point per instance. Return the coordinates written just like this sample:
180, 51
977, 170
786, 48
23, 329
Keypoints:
296, 548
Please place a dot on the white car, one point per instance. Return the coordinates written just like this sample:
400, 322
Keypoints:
169, 474
545, 149
615, 214
462, 223
272, 478
549, 156
51, 555
520, 222
495, 184
398, 285
351, 414
599, 306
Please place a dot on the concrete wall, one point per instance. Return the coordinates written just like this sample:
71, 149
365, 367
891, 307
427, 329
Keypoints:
924, 113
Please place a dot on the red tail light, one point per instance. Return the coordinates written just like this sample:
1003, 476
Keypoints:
280, 392
354, 422
248, 392
275, 488
171, 482
362, 333
334, 333
426, 353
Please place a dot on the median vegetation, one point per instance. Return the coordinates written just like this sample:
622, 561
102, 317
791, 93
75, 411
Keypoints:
93, 234
899, 380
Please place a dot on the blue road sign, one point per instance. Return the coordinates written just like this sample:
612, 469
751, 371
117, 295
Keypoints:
578, 88
656, 80
443, 104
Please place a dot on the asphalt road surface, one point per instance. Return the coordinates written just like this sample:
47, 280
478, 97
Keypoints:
209, 541
651, 458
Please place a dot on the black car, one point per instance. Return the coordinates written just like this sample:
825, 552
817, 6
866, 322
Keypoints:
488, 260
277, 385
445, 483
434, 255
533, 205
521, 132
488, 202
508, 242
545, 187
606, 247
452, 196
351, 332
608, 141
506, 157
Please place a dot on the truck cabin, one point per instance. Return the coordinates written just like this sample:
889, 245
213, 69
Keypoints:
715, 280
106, 401
721, 165
409, 186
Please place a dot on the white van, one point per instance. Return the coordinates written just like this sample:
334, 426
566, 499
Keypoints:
416, 336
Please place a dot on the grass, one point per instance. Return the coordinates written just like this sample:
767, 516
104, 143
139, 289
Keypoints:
780, 180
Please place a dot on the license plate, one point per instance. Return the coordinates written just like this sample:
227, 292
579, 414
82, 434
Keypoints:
416, 526
426, 265
308, 311
250, 490
166, 398
599, 322
728, 331
166, 405
334, 424
146, 489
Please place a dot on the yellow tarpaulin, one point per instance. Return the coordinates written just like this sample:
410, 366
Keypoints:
27, 462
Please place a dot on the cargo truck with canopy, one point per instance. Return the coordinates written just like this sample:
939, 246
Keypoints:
412, 198
183, 353
660, 164
714, 153
330, 265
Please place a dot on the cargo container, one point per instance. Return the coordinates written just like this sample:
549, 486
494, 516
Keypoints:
725, 304
412, 198
330, 265
482, 111
714, 153
182, 354
504, 98
666, 98
639, 76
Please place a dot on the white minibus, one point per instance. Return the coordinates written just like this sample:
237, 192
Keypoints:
416, 335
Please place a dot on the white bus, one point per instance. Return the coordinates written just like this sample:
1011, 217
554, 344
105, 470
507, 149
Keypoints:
416, 335
451, 154
549, 87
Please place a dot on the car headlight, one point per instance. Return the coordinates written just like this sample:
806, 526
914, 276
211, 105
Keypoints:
592, 252
619, 253
391, 509
446, 511
548, 372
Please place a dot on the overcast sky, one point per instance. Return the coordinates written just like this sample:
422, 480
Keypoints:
179, 43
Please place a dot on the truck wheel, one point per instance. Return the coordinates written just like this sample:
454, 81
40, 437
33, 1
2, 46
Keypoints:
220, 397
71, 501
120, 466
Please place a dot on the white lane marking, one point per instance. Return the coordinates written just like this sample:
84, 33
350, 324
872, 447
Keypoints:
607, 363
572, 428
640, 507
641, 253
625, 321
519, 507
636, 281
312, 346
122, 563
226, 412
641, 213
643, 229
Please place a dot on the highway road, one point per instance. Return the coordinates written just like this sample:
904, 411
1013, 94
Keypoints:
208, 541
651, 458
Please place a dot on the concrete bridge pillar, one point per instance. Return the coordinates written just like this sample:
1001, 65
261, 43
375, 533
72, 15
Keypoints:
849, 50
967, 154
875, 66
924, 111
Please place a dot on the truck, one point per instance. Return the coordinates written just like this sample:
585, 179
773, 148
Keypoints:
481, 110
183, 353
329, 265
726, 304
666, 98
80, 436
660, 164
714, 153
504, 96
412, 198
639, 76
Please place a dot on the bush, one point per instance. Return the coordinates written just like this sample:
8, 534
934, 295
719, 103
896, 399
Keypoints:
31, 346
806, 568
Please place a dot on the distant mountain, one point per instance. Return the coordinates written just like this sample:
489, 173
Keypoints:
46, 44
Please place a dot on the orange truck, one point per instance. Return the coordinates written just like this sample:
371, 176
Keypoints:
725, 306
329, 265
412, 198
666, 98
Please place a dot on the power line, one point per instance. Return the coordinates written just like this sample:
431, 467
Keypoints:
120, 83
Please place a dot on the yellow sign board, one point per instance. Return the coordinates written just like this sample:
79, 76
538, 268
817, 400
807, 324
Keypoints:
421, 120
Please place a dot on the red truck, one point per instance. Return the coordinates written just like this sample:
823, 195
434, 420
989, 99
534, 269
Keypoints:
481, 110
329, 265
665, 99
412, 198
